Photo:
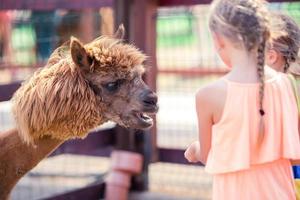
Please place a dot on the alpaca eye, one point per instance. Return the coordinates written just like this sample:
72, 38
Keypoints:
112, 86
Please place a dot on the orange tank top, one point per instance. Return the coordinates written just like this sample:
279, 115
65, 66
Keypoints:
234, 138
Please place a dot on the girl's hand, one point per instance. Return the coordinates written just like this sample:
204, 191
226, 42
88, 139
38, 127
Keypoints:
192, 153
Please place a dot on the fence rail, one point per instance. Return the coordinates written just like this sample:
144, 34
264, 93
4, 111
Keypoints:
197, 2
7, 90
53, 4
79, 4
93, 191
192, 72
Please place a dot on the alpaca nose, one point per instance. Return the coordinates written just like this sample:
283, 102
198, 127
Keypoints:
149, 98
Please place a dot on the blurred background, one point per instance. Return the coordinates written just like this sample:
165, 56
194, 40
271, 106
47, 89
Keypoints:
182, 59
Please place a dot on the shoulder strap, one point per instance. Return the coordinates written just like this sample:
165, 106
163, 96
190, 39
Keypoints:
295, 89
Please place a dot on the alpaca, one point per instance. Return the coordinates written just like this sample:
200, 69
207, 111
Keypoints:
81, 87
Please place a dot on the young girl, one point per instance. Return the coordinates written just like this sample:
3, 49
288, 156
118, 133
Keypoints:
248, 120
281, 54
283, 50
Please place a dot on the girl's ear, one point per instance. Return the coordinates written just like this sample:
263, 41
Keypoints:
218, 41
79, 55
221, 48
271, 57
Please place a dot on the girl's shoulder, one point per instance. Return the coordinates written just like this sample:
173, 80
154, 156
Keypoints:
212, 90
212, 98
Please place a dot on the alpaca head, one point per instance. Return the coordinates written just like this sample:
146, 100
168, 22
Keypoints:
81, 87
114, 72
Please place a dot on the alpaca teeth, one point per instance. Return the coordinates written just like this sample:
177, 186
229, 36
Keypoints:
144, 116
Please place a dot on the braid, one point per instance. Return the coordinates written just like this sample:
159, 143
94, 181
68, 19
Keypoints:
286, 67
261, 77
261, 74
264, 34
290, 58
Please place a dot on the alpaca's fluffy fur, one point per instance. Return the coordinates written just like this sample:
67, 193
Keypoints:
58, 101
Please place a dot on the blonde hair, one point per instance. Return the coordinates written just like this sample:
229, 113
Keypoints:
246, 23
288, 42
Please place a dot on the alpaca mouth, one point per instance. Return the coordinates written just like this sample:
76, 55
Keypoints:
144, 120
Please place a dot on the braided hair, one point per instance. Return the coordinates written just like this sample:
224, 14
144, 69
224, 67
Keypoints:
287, 42
245, 23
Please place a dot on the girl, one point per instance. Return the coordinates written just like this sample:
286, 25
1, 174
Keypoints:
281, 54
283, 50
248, 121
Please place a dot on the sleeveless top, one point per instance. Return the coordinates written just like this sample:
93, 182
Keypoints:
234, 138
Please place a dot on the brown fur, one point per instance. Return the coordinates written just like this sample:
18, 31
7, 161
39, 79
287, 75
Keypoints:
58, 100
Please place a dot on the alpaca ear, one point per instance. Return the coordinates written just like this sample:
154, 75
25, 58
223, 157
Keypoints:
119, 34
79, 55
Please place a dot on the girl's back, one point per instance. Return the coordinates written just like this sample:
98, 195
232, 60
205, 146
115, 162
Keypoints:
242, 165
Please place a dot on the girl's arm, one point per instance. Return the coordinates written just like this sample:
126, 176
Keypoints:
198, 151
205, 122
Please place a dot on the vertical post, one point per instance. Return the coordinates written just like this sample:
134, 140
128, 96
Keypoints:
122, 15
86, 24
124, 137
139, 19
107, 21
143, 34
